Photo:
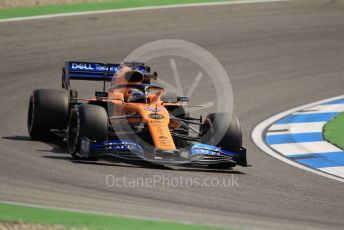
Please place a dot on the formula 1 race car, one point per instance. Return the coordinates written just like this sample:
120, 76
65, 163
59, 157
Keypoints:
131, 121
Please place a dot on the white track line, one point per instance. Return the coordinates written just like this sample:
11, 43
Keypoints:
289, 149
137, 9
323, 109
258, 134
308, 127
334, 170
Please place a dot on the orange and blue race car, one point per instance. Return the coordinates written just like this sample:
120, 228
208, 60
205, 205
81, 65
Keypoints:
131, 121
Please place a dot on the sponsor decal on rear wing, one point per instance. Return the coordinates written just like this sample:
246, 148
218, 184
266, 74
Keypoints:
92, 71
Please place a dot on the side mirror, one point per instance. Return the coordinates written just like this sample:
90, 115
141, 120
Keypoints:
101, 94
183, 99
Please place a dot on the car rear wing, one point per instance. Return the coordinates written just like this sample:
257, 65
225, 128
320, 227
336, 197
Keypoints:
92, 71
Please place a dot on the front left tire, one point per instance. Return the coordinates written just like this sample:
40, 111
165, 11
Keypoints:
86, 121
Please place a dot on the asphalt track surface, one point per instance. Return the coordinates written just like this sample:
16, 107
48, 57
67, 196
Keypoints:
280, 55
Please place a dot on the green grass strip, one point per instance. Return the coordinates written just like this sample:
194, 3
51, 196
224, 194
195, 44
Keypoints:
90, 221
334, 131
111, 4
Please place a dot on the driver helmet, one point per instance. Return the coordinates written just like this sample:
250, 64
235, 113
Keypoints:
135, 95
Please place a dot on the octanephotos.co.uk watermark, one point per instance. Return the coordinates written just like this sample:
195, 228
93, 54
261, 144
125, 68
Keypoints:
113, 181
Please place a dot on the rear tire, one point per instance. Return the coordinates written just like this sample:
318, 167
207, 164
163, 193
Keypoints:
88, 121
48, 109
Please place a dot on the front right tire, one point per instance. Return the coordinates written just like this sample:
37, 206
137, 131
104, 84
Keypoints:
222, 123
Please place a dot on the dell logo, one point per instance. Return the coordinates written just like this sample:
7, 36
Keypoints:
82, 66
